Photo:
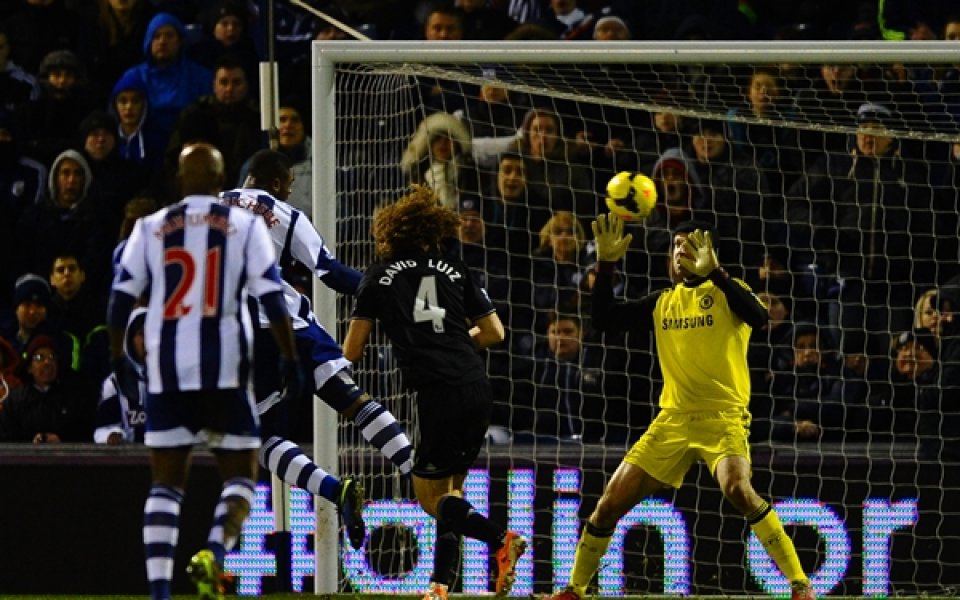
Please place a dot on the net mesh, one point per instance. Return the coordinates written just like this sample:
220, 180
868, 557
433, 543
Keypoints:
833, 192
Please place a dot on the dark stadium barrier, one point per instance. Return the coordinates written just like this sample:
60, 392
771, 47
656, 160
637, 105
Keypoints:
70, 519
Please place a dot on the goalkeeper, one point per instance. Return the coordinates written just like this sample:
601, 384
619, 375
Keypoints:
701, 327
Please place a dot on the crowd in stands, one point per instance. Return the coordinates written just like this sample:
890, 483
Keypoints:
851, 239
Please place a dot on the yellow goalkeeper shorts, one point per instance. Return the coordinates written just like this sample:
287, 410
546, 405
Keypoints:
676, 439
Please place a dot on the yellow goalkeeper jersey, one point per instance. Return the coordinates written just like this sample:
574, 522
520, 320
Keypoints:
702, 346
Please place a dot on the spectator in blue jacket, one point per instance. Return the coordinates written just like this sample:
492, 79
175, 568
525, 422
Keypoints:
172, 80
130, 104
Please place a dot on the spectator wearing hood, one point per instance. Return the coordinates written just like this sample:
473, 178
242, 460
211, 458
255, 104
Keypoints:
67, 221
172, 80
53, 405
439, 155
137, 143
679, 199
50, 122
120, 416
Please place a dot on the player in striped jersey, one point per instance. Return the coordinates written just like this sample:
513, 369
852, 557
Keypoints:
197, 261
702, 326
424, 301
265, 191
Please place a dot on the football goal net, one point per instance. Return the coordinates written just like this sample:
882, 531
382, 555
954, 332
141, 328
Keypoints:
829, 173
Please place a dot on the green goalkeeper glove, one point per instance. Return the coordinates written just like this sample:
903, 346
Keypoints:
608, 234
701, 259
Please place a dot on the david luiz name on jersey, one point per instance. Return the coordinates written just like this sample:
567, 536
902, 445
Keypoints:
687, 322
394, 269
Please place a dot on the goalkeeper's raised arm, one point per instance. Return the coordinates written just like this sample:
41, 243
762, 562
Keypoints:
694, 259
606, 313
702, 328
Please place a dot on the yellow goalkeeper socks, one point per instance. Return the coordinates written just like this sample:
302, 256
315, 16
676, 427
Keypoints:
766, 524
590, 549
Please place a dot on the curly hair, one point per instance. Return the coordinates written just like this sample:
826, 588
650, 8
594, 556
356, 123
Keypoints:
415, 223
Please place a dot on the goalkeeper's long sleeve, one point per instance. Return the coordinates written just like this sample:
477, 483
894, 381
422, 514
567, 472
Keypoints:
741, 301
608, 315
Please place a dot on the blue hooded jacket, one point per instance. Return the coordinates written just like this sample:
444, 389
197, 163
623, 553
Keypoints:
170, 88
142, 146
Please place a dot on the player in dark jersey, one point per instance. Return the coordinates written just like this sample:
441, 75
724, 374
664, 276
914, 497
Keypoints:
436, 318
702, 327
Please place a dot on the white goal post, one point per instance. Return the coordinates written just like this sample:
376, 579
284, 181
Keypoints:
875, 531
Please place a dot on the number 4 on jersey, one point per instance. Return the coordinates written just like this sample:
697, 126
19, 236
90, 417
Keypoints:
426, 307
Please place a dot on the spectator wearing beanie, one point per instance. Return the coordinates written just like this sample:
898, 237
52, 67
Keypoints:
226, 30
115, 180
50, 122
31, 297
31, 300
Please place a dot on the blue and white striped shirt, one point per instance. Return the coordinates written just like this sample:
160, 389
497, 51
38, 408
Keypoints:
199, 259
294, 236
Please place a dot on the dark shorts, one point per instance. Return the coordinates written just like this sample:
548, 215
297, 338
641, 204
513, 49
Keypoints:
453, 428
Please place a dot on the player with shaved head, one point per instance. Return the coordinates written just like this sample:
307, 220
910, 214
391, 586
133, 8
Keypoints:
196, 260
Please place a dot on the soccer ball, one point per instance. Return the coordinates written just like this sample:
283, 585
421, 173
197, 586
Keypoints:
631, 196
